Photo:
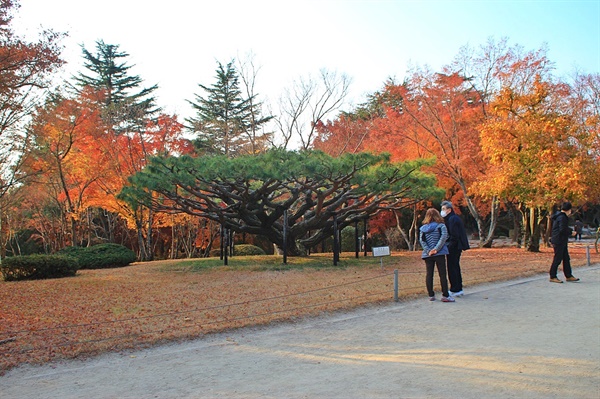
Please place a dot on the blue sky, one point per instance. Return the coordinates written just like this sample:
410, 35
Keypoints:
176, 44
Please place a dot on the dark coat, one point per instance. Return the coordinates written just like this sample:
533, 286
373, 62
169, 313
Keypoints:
560, 229
458, 240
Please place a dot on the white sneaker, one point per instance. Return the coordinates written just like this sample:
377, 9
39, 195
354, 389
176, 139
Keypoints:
459, 293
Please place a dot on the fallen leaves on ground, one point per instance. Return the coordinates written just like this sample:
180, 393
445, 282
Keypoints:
150, 303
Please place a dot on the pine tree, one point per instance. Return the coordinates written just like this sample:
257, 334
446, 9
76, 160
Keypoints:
123, 106
225, 121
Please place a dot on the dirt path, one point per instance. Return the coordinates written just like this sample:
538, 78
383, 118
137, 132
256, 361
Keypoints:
526, 338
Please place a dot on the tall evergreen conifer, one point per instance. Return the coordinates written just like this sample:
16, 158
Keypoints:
225, 121
124, 106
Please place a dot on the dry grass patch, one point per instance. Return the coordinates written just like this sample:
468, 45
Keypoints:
149, 303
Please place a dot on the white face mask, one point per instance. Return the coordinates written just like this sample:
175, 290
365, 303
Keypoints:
444, 213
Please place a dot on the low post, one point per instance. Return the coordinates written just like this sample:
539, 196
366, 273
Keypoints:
336, 244
226, 246
587, 253
396, 285
285, 223
356, 240
222, 239
365, 235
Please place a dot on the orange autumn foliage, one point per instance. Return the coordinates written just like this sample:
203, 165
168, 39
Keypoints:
81, 163
67, 161
543, 154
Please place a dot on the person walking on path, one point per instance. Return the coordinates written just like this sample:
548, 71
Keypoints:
578, 229
433, 241
560, 241
457, 242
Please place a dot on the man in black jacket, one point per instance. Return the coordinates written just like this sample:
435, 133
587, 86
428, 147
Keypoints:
560, 241
457, 242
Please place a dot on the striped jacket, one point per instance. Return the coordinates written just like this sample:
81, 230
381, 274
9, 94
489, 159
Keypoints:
433, 236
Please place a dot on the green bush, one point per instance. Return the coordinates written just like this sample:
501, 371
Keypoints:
35, 267
74, 252
348, 243
247, 250
101, 256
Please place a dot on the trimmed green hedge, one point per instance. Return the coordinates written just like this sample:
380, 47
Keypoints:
240, 250
35, 267
247, 250
100, 256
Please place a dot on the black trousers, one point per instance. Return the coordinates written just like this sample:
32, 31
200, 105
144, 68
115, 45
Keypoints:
561, 254
430, 264
454, 274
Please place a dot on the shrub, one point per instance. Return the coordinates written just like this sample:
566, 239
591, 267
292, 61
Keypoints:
35, 267
101, 256
240, 250
348, 243
247, 250
74, 252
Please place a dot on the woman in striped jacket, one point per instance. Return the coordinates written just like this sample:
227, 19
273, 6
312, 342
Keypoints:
433, 236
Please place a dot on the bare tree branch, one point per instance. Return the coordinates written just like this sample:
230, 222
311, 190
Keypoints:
308, 102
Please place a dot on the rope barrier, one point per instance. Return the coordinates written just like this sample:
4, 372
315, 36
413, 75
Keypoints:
12, 334
93, 341
193, 310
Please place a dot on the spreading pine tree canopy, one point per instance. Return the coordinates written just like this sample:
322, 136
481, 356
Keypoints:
249, 194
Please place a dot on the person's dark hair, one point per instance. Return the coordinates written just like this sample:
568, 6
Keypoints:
566, 206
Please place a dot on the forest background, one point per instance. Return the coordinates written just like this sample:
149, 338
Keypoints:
505, 138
